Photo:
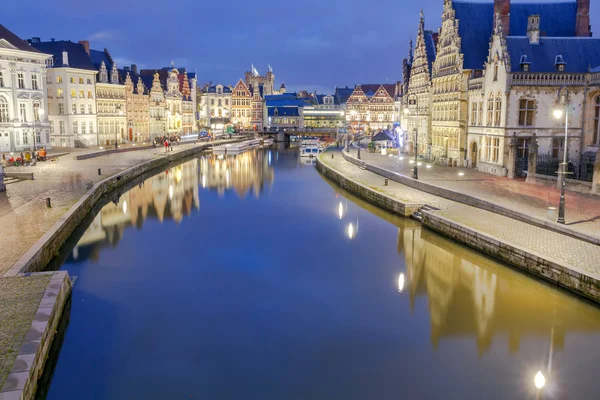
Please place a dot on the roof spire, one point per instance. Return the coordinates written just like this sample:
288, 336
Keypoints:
410, 52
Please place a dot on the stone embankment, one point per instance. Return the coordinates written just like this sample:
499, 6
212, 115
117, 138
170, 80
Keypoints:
554, 257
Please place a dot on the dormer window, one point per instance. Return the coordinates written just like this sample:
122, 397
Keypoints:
524, 63
560, 63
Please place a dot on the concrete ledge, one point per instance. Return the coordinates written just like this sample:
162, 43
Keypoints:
111, 151
471, 201
28, 367
546, 268
44, 250
372, 196
19, 175
573, 185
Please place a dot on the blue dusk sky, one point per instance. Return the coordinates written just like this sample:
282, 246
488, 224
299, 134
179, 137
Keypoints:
312, 45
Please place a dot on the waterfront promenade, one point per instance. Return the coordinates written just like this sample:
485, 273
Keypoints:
582, 212
563, 251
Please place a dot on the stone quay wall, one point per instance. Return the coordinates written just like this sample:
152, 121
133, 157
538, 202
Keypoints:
22, 381
538, 265
379, 199
44, 250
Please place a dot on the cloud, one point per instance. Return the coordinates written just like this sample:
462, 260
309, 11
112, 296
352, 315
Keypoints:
309, 42
104, 35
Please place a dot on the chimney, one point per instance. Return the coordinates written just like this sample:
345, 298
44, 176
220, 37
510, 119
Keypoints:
533, 29
86, 45
582, 25
502, 13
65, 58
134, 68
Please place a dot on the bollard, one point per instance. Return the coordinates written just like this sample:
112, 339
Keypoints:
385, 183
332, 156
99, 171
48, 203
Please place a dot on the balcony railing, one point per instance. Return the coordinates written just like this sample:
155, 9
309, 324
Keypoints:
547, 79
476, 84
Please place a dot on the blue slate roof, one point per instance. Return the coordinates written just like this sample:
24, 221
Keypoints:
321, 101
342, 94
283, 112
15, 40
213, 89
273, 101
476, 23
579, 53
78, 57
98, 56
556, 19
147, 80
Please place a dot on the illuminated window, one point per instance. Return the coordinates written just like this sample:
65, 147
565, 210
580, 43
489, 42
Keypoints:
81, 81
81, 95
59, 93
72, 80
73, 93
526, 112
59, 79
490, 110
498, 111
3, 110
90, 96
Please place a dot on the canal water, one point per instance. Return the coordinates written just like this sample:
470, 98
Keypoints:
253, 277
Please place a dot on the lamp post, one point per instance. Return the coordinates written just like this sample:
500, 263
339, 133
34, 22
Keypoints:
563, 101
413, 100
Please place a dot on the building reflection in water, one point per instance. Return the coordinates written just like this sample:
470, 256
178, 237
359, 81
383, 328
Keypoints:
173, 194
470, 295
244, 173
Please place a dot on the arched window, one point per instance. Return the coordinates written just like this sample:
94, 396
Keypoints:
3, 110
596, 120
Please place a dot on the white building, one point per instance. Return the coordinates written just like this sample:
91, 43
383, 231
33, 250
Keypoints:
217, 105
71, 94
23, 103
111, 104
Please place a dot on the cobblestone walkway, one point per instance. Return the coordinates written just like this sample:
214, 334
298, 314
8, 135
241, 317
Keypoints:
582, 211
19, 301
579, 255
24, 217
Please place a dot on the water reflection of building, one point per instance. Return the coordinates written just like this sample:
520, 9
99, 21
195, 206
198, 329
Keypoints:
169, 195
245, 172
470, 295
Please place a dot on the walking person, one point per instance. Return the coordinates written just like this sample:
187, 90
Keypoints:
166, 146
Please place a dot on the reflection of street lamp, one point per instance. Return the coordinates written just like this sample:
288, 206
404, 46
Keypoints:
341, 210
563, 100
539, 380
413, 100
351, 231
401, 280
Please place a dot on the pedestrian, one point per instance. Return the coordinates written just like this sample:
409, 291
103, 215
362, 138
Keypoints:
171, 146
166, 146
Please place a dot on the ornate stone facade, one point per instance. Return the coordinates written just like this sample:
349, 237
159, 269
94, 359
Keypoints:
23, 103
448, 93
111, 105
241, 106
371, 107
138, 110
157, 109
174, 99
417, 117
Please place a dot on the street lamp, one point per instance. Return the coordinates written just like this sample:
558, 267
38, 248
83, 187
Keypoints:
413, 100
563, 101
117, 132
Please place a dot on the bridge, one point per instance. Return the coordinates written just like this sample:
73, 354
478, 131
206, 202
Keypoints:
285, 134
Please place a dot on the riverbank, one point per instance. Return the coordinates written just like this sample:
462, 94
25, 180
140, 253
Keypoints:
560, 259
74, 187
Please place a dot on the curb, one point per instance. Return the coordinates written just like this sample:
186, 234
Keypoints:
21, 383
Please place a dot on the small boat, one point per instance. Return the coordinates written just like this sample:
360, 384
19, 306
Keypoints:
268, 142
310, 151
